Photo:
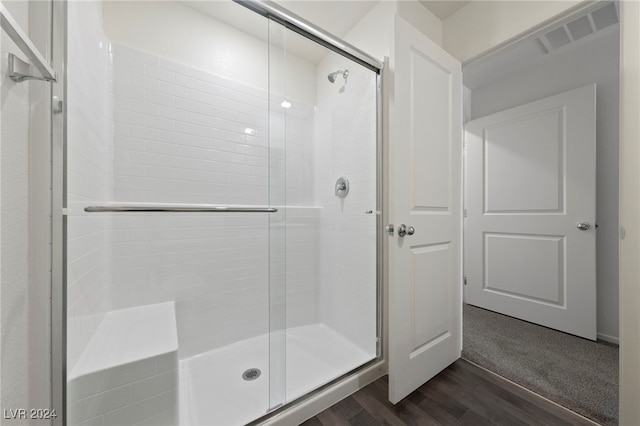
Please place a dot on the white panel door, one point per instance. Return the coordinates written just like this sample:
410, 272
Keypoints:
425, 302
530, 188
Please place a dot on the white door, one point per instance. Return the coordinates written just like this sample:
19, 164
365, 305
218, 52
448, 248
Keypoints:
529, 236
425, 165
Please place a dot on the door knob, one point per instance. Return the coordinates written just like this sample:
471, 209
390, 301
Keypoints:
583, 226
405, 230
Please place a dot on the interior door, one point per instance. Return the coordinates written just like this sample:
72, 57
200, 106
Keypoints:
529, 244
425, 161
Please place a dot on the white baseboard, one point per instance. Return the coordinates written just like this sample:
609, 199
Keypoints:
330, 396
607, 338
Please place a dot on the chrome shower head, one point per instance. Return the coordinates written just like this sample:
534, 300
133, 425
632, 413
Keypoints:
332, 76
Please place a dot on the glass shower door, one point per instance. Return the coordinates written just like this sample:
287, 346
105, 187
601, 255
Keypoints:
171, 189
221, 211
323, 239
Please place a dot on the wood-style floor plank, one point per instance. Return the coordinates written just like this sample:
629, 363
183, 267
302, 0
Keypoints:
475, 400
513, 411
463, 394
540, 405
348, 407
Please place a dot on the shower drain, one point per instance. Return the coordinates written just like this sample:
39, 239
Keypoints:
251, 374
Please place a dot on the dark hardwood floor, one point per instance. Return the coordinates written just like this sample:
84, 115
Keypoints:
463, 394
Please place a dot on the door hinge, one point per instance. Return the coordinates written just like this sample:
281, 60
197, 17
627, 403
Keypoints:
465, 212
464, 280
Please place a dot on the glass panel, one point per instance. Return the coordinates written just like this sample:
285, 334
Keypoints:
322, 128
168, 103
279, 106
213, 318
346, 147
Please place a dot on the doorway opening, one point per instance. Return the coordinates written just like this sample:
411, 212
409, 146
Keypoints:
525, 276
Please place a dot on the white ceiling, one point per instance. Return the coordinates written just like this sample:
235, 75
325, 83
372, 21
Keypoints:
444, 9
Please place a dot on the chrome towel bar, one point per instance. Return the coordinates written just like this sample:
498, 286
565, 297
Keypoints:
195, 208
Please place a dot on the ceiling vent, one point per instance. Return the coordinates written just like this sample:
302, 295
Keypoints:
581, 27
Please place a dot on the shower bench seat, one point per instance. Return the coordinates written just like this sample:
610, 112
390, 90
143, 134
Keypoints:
128, 370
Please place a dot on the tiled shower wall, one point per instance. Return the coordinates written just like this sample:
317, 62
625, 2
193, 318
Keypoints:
175, 134
346, 125
89, 110
185, 136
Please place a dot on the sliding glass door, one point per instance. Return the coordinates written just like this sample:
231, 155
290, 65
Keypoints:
221, 195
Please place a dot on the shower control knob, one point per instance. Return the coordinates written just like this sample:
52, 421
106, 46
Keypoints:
342, 187
405, 230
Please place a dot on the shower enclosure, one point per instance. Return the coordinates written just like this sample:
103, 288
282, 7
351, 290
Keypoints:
222, 212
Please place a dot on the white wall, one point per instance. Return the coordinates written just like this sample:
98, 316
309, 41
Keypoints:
345, 135
373, 34
483, 25
629, 213
592, 62
173, 31
144, 128
421, 18
14, 233
24, 224
176, 32
466, 104
180, 138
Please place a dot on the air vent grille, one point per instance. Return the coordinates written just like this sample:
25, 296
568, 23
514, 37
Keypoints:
581, 27
605, 16
558, 38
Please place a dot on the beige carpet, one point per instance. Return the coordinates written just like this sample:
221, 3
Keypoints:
577, 373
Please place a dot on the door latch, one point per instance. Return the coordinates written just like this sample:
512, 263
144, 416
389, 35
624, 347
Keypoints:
389, 229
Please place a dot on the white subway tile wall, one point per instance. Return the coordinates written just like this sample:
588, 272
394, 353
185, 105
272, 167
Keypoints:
128, 374
187, 136
146, 129
144, 392
89, 109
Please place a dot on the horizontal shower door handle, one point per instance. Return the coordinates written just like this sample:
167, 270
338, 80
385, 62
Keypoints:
195, 208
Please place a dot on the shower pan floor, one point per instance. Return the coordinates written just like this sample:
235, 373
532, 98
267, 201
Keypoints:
213, 392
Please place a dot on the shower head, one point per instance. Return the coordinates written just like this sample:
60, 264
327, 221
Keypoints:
332, 76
